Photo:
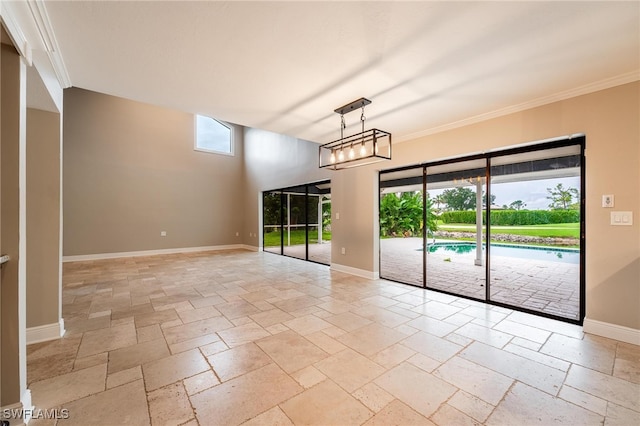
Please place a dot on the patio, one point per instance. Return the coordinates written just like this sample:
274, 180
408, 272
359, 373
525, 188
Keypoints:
549, 287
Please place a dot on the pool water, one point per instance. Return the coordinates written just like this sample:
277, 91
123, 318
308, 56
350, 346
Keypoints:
522, 252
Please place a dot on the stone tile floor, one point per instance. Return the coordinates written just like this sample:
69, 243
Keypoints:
233, 337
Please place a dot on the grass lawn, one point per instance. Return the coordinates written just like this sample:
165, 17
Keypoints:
272, 239
558, 230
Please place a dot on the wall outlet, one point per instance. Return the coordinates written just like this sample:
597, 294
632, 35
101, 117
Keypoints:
607, 201
343, 251
237, 234
163, 233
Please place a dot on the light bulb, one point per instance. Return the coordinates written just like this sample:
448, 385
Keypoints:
332, 159
352, 153
341, 155
363, 150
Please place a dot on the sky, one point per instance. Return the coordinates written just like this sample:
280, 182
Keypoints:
212, 135
533, 193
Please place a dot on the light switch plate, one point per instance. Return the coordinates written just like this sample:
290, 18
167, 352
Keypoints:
621, 218
608, 201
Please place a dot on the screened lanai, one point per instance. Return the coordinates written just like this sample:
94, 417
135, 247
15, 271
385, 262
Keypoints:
297, 221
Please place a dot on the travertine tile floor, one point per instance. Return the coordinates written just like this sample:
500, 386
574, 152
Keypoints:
223, 338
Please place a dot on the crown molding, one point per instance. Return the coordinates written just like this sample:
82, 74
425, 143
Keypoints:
15, 32
560, 96
45, 29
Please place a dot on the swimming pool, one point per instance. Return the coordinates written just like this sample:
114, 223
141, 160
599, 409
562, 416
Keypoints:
551, 254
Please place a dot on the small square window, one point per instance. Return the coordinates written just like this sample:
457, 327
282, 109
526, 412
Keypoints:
213, 136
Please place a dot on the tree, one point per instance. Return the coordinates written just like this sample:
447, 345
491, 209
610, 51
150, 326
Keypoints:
271, 210
438, 199
517, 205
484, 199
459, 199
562, 198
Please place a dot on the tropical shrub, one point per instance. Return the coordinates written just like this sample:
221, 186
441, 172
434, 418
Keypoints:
401, 215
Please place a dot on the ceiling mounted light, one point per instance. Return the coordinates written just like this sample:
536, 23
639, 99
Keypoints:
362, 148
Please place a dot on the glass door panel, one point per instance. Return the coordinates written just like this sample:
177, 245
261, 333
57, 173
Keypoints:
401, 226
535, 227
294, 227
272, 222
319, 223
455, 260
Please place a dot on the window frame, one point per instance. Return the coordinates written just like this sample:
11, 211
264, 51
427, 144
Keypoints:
231, 151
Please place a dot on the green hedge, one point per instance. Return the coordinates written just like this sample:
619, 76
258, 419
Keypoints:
514, 217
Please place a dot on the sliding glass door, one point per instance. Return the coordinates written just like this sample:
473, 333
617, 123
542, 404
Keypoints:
272, 218
505, 227
297, 222
402, 226
455, 247
535, 242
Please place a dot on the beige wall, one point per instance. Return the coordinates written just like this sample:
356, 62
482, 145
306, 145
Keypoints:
610, 121
274, 161
12, 109
130, 172
43, 217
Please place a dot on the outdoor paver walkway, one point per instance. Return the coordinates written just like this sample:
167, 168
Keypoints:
545, 286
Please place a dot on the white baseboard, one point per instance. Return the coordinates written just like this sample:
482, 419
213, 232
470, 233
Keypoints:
18, 412
251, 248
355, 271
101, 256
44, 333
26, 405
612, 331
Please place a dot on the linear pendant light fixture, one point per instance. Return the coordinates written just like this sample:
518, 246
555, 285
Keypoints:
367, 147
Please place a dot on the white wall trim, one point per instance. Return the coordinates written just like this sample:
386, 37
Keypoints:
26, 405
556, 97
612, 331
15, 31
249, 247
44, 333
100, 256
355, 271
45, 29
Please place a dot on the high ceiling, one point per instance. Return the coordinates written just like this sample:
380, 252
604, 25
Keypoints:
285, 66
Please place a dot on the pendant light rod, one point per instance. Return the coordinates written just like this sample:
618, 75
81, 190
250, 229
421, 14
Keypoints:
352, 106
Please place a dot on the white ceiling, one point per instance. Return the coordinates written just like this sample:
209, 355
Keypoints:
285, 66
